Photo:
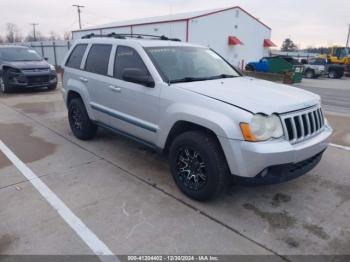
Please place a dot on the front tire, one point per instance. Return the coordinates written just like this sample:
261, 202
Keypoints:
4, 87
310, 74
79, 121
249, 68
198, 165
52, 87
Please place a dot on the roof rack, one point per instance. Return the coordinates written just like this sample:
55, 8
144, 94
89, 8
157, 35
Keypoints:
136, 36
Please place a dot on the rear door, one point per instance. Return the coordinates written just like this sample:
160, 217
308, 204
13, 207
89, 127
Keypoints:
97, 79
72, 68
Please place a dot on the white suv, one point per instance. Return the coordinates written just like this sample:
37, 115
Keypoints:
186, 101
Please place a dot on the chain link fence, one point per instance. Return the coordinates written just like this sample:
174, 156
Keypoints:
53, 51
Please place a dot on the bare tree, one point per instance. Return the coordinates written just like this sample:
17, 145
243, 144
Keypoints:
29, 38
13, 33
1, 39
54, 36
67, 35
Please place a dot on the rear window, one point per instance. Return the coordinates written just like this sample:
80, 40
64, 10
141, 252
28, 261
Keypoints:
98, 59
76, 56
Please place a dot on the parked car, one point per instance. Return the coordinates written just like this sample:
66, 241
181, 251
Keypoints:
186, 101
278, 64
316, 67
22, 67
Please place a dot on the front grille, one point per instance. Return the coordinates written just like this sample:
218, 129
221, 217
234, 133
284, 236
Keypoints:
301, 125
36, 70
37, 80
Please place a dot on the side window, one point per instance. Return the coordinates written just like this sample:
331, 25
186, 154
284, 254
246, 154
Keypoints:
127, 58
98, 59
76, 56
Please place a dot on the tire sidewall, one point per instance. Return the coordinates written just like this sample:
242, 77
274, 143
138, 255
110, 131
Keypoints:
3, 88
2, 85
211, 167
88, 129
52, 87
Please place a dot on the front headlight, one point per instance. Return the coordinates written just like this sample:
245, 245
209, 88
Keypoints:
262, 128
52, 68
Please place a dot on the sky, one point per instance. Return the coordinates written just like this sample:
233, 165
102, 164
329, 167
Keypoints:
306, 22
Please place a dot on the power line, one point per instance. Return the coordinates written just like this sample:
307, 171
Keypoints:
79, 11
34, 32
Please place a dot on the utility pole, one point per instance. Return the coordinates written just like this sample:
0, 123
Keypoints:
34, 32
79, 11
348, 39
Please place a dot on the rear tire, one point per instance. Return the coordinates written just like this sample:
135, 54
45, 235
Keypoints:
198, 165
332, 74
79, 121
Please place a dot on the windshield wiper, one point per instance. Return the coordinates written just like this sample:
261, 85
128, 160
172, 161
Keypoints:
188, 79
193, 79
222, 76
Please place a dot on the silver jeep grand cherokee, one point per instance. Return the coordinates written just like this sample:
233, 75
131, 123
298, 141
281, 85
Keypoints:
185, 100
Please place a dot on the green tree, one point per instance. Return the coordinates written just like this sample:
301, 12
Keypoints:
289, 46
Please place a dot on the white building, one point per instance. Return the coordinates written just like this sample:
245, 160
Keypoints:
232, 32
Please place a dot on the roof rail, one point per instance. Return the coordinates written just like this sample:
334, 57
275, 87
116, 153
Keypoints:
136, 36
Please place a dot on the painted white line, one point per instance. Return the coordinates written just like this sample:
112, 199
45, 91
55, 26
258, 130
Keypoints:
90, 239
347, 148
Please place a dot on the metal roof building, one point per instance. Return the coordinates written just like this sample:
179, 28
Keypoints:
233, 32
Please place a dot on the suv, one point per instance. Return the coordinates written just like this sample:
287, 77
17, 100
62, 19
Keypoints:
22, 67
186, 101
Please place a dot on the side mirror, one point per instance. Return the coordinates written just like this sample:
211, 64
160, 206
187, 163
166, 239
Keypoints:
46, 58
137, 76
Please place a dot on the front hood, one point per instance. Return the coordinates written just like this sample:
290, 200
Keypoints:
254, 95
28, 64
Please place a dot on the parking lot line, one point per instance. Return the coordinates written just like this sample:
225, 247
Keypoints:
347, 148
90, 239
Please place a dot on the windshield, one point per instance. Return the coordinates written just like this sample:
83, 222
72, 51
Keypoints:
19, 54
186, 64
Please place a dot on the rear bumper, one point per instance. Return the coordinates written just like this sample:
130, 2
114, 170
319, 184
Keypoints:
252, 160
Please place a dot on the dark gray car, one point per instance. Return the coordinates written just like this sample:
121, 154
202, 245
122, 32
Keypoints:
22, 67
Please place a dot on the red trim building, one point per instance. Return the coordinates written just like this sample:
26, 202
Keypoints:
233, 32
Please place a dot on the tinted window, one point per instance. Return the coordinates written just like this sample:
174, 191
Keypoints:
98, 59
127, 58
76, 56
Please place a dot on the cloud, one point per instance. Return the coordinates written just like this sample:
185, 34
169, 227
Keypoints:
312, 22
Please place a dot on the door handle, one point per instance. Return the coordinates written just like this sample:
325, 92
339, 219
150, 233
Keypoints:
83, 79
115, 89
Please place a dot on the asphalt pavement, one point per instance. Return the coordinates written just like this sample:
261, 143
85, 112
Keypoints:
335, 93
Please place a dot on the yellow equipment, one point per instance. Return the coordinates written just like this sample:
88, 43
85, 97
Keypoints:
338, 55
